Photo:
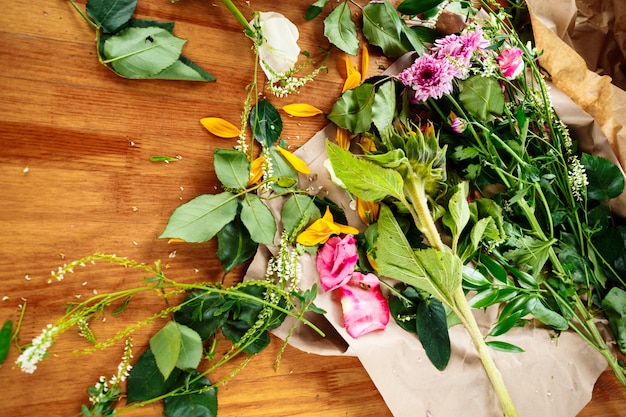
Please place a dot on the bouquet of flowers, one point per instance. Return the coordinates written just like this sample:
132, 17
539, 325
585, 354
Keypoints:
464, 191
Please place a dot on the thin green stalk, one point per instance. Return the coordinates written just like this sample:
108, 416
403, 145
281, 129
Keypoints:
238, 15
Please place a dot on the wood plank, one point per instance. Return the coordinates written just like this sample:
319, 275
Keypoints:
75, 143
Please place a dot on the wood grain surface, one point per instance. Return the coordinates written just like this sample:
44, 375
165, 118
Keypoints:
75, 143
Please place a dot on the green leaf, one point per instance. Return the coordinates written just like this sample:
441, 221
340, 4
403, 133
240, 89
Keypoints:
315, 9
353, 109
202, 312
235, 331
396, 259
265, 123
137, 52
432, 329
415, 7
605, 178
5, 339
111, 15
281, 168
232, 168
146, 382
184, 70
190, 348
495, 269
504, 346
481, 97
341, 30
364, 179
383, 27
505, 325
384, 105
166, 345
234, 245
201, 218
299, 210
614, 306
458, 214
547, 316
258, 219
202, 402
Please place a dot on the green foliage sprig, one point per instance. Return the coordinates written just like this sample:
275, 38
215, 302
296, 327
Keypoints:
138, 49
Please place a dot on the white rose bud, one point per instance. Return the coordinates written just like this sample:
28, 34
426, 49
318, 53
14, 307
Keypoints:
279, 50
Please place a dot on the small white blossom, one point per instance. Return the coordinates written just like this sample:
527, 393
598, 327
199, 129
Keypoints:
37, 350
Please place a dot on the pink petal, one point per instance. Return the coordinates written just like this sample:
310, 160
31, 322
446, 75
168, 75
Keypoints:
336, 261
365, 309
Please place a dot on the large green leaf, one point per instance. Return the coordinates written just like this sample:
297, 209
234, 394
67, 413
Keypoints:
396, 259
341, 30
482, 97
146, 382
315, 9
299, 210
415, 7
383, 27
353, 109
364, 179
258, 219
265, 123
614, 306
184, 70
137, 52
236, 330
546, 316
605, 178
176, 346
201, 403
432, 329
111, 15
201, 218
234, 245
5, 339
384, 105
190, 348
202, 311
458, 214
232, 168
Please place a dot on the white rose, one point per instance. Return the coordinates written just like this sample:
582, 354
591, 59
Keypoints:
279, 50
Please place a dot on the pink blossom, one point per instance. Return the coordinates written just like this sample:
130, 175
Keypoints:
459, 125
365, 309
461, 48
511, 62
336, 261
429, 77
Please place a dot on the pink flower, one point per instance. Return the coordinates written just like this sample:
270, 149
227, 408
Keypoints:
429, 76
336, 261
511, 62
461, 48
365, 309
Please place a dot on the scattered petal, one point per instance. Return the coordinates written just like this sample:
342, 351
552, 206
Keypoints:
301, 110
365, 309
295, 162
322, 229
220, 127
342, 138
365, 61
257, 168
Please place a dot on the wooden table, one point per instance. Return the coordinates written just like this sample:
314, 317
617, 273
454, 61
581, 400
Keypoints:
76, 179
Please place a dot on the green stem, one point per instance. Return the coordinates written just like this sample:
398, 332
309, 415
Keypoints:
238, 15
417, 195
465, 314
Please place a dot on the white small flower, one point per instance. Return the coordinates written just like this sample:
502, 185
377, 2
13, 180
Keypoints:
37, 350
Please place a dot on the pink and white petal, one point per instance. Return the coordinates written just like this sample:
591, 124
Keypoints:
365, 309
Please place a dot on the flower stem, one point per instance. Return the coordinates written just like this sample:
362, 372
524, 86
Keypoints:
465, 314
238, 15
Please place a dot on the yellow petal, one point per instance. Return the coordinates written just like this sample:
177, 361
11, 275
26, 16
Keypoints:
365, 61
220, 127
295, 162
349, 67
352, 81
367, 144
257, 167
301, 110
349, 230
342, 138
368, 210
175, 240
318, 232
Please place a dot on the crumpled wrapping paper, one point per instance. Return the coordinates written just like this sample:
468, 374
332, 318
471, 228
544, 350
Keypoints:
554, 377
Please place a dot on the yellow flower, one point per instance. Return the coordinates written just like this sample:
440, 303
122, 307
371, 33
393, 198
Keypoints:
322, 229
301, 110
368, 210
295, 162
220, 127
